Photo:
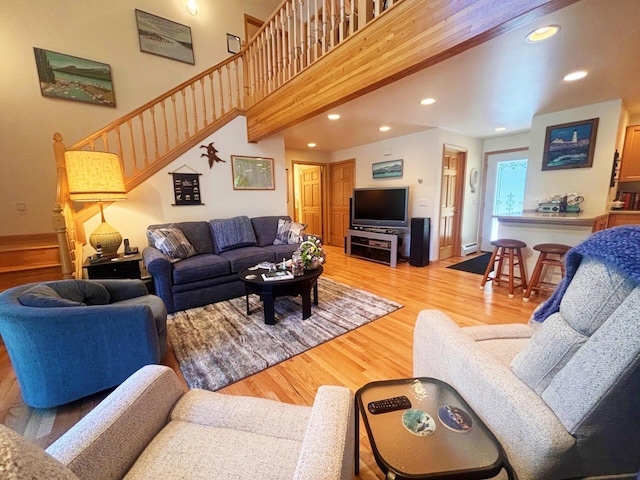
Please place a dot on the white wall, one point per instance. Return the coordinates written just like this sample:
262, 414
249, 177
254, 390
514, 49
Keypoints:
151, 202
96, 30
592, 183
422, 171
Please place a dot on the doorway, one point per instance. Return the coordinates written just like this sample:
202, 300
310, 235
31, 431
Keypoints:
504, 187
454, 162
309, 196
341, 183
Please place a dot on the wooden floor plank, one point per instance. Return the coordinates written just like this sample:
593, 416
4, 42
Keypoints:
379, 350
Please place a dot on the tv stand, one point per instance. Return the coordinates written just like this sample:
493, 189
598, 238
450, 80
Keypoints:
374, 246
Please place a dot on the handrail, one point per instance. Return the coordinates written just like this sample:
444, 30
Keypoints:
297, 34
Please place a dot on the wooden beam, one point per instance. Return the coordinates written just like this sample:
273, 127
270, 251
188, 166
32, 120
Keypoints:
413, 35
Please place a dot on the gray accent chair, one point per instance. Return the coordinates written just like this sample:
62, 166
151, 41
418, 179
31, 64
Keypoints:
563, 396
149, 428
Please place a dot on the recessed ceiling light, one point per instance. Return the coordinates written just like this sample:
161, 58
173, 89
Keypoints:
573, 76
427, 101
542, 33
311, 145
384, 128
333, 116
192, 7
500, 129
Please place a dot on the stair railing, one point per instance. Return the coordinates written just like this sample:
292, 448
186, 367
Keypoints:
147, 139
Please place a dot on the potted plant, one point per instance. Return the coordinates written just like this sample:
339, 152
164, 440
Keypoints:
312, 253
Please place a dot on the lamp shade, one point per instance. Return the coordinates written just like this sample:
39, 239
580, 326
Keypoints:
94, 176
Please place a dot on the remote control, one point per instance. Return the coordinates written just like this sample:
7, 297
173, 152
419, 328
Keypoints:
389, 405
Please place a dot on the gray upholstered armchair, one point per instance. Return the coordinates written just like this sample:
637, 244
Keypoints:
149, 428
71, 338
563, 398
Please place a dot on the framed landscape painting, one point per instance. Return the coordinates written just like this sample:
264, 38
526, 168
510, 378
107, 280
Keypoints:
570, 145
163, 37
252, 173
73, 78
390, 169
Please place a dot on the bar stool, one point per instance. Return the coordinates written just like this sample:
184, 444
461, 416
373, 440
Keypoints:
510, 249
546, 249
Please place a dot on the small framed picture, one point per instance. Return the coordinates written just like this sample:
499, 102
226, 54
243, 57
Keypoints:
163, 37
570, 145
389, 169
252, 173
234, 44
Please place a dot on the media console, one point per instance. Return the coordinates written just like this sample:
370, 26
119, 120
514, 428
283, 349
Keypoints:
373, 245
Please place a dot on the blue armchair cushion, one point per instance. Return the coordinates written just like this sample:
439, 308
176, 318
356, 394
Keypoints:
68, 293
230, 233
172, 242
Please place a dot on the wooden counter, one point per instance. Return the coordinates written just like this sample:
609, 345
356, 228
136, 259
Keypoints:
566, 219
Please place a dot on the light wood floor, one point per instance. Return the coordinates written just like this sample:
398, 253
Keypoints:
377, 351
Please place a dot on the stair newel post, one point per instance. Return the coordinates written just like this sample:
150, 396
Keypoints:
60, 227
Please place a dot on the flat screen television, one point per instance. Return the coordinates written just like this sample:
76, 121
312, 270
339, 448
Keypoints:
380, 207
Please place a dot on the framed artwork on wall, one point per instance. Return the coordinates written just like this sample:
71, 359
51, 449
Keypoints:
389, 169
163, 37
570, 145
234, 44
73, 78
252, 173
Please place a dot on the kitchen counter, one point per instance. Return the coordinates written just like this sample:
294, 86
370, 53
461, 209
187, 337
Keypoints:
564, 218
533, 228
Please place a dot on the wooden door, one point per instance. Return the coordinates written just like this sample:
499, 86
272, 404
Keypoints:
311, 198
453, 163
630, 165
340, 190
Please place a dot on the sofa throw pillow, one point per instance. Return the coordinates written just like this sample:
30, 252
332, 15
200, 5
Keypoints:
289, 232
172, 242
230, 233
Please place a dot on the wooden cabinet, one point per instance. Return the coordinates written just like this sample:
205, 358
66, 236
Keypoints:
616, 219
630, 166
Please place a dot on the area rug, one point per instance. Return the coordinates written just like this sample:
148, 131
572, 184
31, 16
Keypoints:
474, 265
219, 344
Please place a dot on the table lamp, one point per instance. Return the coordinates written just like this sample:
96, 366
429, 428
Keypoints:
97, 177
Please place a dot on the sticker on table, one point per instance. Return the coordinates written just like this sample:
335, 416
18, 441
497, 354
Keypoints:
455, 418
418, 422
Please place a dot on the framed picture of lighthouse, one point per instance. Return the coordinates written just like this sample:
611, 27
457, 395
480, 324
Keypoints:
570, 145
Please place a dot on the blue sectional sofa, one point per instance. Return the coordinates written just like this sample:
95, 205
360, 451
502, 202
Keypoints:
205, 270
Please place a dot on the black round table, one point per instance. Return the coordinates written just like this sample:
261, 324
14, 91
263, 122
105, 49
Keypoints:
269, 290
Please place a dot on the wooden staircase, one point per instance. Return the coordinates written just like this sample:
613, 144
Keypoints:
29, 258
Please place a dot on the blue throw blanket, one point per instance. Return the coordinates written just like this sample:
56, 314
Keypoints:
618, 247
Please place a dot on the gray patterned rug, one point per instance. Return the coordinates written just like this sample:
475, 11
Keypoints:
219, 344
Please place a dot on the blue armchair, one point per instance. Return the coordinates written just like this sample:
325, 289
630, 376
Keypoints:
71, 338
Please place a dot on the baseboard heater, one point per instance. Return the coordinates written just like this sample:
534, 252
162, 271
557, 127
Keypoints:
469, 248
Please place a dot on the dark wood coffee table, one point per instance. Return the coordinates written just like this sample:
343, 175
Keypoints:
449, 442
270, 290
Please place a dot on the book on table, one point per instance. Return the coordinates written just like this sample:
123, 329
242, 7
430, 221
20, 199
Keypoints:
277, 275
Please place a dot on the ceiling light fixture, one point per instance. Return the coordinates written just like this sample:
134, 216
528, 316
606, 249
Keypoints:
427, 101
500, 129
311, 145
573, 76
192, 7
384, 128
333, 116
542, 33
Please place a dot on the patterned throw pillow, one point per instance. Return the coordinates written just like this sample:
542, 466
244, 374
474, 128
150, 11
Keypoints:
173, 243
289, 232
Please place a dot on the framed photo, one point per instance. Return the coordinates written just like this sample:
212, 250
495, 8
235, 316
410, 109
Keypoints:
234, 44
570, 145
252, 173
73, 78
390, 169
163, 37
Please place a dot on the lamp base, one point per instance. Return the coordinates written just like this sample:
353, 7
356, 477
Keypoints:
108, 238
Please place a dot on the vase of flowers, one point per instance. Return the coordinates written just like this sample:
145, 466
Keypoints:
312, 253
